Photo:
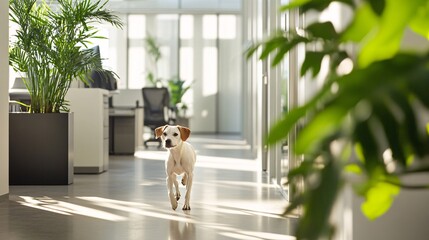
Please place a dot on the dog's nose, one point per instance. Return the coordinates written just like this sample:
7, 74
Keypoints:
168, 142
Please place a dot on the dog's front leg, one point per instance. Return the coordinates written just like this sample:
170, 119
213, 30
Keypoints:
170, 181
176, 185
184, 179
189, 179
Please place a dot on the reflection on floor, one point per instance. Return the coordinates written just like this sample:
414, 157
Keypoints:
230, 200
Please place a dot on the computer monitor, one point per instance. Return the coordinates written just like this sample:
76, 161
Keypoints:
102, 78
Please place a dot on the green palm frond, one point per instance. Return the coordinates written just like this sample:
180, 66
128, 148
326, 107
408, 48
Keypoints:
50, 46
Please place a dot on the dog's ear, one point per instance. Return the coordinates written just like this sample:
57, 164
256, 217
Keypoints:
184, 132
159, 130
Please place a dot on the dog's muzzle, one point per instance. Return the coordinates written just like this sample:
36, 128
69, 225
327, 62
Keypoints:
168, 143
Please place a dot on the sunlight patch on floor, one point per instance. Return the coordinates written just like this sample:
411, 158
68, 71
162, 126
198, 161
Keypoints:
222, 141
65, 208
206, 161
226, 147
181, 222
227, 163
246, 184
151, 155
137, 208
264, 208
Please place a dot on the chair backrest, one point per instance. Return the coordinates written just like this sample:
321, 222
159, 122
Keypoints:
156, 102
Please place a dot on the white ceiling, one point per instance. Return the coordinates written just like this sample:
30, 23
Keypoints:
130, 6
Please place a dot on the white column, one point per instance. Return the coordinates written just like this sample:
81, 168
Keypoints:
4, 89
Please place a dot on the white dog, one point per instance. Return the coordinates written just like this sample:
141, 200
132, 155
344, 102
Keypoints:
181, 160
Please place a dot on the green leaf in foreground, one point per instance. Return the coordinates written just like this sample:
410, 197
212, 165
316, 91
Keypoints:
379, 198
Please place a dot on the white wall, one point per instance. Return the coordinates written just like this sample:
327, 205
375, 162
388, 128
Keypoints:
414, 42
215, 100
4, 86
406, 219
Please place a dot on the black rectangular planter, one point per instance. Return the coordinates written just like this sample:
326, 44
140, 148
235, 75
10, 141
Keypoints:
40, 148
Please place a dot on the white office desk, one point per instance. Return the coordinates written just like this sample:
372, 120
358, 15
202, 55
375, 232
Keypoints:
91, 129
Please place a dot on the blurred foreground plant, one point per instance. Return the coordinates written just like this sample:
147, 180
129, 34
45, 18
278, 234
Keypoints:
366, 123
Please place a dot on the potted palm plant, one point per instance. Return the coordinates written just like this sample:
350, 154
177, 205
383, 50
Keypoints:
50, 48
176, 86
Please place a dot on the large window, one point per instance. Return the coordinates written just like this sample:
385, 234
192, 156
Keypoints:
136, 52
163, 29
202, 49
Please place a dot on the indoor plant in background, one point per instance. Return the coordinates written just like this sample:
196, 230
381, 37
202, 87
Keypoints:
175, 85
364, 123
178, 89
50, 47
153, 50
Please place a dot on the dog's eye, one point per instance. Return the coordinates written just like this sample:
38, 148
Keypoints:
165, 134
175, 134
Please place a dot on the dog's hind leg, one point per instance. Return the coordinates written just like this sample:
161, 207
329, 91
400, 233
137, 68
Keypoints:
190, 177
171, 179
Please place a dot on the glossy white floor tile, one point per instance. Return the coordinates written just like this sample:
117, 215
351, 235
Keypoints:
231, 199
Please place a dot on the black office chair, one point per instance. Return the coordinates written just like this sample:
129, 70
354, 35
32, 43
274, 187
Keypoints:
157, 110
